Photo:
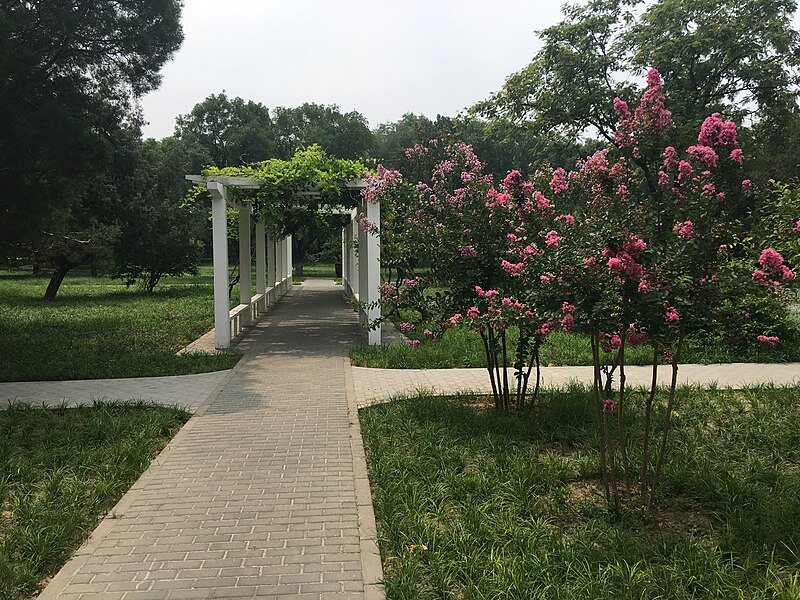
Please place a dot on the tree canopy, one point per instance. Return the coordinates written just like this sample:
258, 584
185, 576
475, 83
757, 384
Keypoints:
739, 58
70, 75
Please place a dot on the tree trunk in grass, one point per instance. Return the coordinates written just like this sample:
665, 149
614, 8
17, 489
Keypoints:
298, 269
62, 268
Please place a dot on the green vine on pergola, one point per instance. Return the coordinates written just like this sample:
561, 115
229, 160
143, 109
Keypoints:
310, 180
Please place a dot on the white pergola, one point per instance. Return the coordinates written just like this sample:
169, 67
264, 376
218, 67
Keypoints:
360, 259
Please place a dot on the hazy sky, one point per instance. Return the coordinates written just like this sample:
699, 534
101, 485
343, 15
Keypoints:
382, 58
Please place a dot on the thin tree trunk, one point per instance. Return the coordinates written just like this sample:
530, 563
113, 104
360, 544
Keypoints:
599, 409
648, 415
534, 359
620, 421
662, 450
490, 368
493, 344
506, 392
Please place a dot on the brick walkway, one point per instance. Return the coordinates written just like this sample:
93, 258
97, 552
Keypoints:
264, 492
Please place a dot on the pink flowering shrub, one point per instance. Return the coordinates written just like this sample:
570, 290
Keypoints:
463, 224
650, 252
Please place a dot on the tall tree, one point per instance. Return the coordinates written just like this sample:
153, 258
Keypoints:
159, 232
738, 57
344, 135
70, 76
233, 132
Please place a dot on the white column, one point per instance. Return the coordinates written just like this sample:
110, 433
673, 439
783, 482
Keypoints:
272, 273
373, 271
289, 261
363, 261
219, 227
245, 279
355, 287
345, 257
261, 265
280, 265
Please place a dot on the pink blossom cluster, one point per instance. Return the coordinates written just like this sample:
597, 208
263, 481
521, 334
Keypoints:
704, 154
650, 117
497, 199
717, 132
367, 225
773, 272
570, 220
568, 319
684, 230
609, 405
415, 151
624, 260
380, 184
552, 239
513, 269
610, 342
500, 312
559, 182
671, 315
769, 340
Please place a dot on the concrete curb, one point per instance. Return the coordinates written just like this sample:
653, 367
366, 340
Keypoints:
371, 564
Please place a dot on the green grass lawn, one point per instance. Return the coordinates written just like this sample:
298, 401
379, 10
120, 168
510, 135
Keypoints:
326, 270
460, 347
473, 504
60, 472
98, 328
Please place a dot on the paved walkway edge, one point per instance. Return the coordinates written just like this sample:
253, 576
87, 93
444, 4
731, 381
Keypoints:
58, 583
371, 564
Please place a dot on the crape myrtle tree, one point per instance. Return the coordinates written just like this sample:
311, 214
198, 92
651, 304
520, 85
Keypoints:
71, 74
653, 248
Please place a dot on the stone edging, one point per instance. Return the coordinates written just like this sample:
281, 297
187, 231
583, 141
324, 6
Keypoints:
371, 566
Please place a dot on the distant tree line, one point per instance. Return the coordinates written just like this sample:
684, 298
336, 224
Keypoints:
79, 184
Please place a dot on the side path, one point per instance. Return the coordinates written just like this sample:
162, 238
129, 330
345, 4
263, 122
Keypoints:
264, 493
190, 391
374, 386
